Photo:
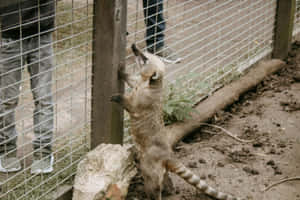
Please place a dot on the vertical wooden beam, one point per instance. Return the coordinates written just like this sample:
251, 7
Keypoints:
109, 47
284, 28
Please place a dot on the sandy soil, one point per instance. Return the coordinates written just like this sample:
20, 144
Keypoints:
270, 116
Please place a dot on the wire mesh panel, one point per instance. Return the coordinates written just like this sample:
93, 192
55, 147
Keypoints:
208, 43
45, 72
297, 18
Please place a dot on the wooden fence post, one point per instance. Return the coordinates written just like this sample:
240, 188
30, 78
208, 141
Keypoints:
284, 28
109, 47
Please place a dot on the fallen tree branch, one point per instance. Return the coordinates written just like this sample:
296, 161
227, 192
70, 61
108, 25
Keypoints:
281, 181
221, 99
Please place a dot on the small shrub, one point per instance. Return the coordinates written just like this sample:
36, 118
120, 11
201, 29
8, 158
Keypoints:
178, 106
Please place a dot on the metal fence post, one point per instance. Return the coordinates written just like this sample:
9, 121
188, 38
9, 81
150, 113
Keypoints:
109, 47
284, 28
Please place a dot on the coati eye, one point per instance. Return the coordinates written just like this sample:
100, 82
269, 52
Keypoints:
154, 78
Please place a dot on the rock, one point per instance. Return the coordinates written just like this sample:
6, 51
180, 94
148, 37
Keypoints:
113, 192
281, 144
202, 161
251, 171
276, 169
271, 162
220, 164
203, 176
105, 171
211, 177
192, 165
257, 144
272, 151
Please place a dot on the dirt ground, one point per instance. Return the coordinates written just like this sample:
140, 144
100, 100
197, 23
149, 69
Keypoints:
270, 116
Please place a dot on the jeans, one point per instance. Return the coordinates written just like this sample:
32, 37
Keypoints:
37, 53
155, 24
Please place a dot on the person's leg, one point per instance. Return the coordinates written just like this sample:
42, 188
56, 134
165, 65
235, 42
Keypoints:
155, 27
40, 66
155, 24
10, 79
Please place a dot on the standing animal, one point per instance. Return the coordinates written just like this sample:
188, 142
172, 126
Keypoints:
144, 105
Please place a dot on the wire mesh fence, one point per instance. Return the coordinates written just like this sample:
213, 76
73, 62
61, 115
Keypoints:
215, 40
207, 43
45, 73
297, 18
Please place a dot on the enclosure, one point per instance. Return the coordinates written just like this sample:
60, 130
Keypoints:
80, 53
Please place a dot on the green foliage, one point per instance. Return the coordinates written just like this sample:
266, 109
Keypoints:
178, 106
181, 96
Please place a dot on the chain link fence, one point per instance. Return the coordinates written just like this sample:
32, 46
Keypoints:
45, 65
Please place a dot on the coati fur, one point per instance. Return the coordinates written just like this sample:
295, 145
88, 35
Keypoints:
144, 104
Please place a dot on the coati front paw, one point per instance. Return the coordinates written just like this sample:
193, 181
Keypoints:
118, 98
121, 74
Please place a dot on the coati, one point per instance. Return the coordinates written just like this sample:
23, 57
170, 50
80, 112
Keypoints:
144, 104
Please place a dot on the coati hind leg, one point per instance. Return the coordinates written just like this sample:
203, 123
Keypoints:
168, 186
153, 170
153, 174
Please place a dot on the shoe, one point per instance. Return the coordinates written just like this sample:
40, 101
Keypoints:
9, 163
43, 165
166, 54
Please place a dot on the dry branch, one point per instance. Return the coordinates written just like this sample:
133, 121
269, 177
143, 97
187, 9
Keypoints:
227, 133
282, 181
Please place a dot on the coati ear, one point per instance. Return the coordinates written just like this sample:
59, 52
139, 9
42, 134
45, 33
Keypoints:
139, 54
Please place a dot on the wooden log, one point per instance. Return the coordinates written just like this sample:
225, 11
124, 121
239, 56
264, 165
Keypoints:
221, 99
